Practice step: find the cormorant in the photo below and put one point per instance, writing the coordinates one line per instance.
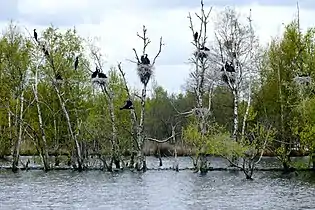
(76, 63)
(228, 67)
(95, 73)
(142, 59)
(58, 76)
(204, 48)
(102, 75)
(196, 36)
(146, 59)
(128, 105)
(35, 35)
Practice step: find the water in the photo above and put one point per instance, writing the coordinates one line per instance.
(156, 190)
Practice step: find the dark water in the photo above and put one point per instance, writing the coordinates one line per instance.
(156, 190)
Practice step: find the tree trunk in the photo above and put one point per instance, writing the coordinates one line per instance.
(313, 160)
(45, 156)
(16, 149)
(78, 149)
(141, 159)
(235, 115)
(247, 107)
(115, 144)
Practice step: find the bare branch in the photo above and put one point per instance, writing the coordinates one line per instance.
(159, 52)
(161, 141)
(137, 57)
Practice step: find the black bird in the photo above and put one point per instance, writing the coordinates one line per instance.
(146, 59)
(95, 73)
(128, 105)
(196, 36)
(35, 35)
(76, 63)
(102, 75)
(228, 67)
(204, 48)
(58, 76)
(45, 51)
(142, 59)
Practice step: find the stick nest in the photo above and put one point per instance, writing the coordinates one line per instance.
(202, 54)
(145, 72)
(99, 81)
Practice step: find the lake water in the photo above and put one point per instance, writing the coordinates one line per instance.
(154, 189)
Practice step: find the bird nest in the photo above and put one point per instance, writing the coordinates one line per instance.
(201, 54)
(145, 72)
(99, 81)
(201, 112)
(303, 80)
(58, 81)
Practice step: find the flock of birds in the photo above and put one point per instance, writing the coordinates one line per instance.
(202, 53)
(97, 76)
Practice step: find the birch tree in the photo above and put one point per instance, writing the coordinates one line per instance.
(59, 52)
(236, 52)
(16, 58)
(103, 83)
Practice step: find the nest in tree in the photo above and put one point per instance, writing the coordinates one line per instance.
(201, 54)
(58, 81)
(145, 72)
(228, 76)
(199, 112)
(99, 81)
(303, 80)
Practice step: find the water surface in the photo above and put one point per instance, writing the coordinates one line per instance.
(155, 190)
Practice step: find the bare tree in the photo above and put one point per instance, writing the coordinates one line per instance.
(199, 82)
(107, 90)
(145, 71)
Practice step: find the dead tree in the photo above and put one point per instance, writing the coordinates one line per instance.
(145, 71)
(199, 83)
(106, 89)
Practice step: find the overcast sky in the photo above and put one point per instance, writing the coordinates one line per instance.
(116, 23)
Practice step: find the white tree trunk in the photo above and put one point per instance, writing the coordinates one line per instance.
(78, 149)
(247, 106)
(115, 145)
(16, 149)
(235, 115)
(141, 161)
(44, 154)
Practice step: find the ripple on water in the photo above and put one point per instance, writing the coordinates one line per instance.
(155, 190)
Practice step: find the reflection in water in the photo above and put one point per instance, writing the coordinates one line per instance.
(155, 190)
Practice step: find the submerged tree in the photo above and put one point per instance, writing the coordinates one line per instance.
(145, 70)
(237, 56)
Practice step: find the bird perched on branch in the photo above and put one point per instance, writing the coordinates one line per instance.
(196, 36)
(228, 67)
(76, 63)
(35, 35)
(128, 105)
(58, 76)
(95, 73)
(146, 60)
